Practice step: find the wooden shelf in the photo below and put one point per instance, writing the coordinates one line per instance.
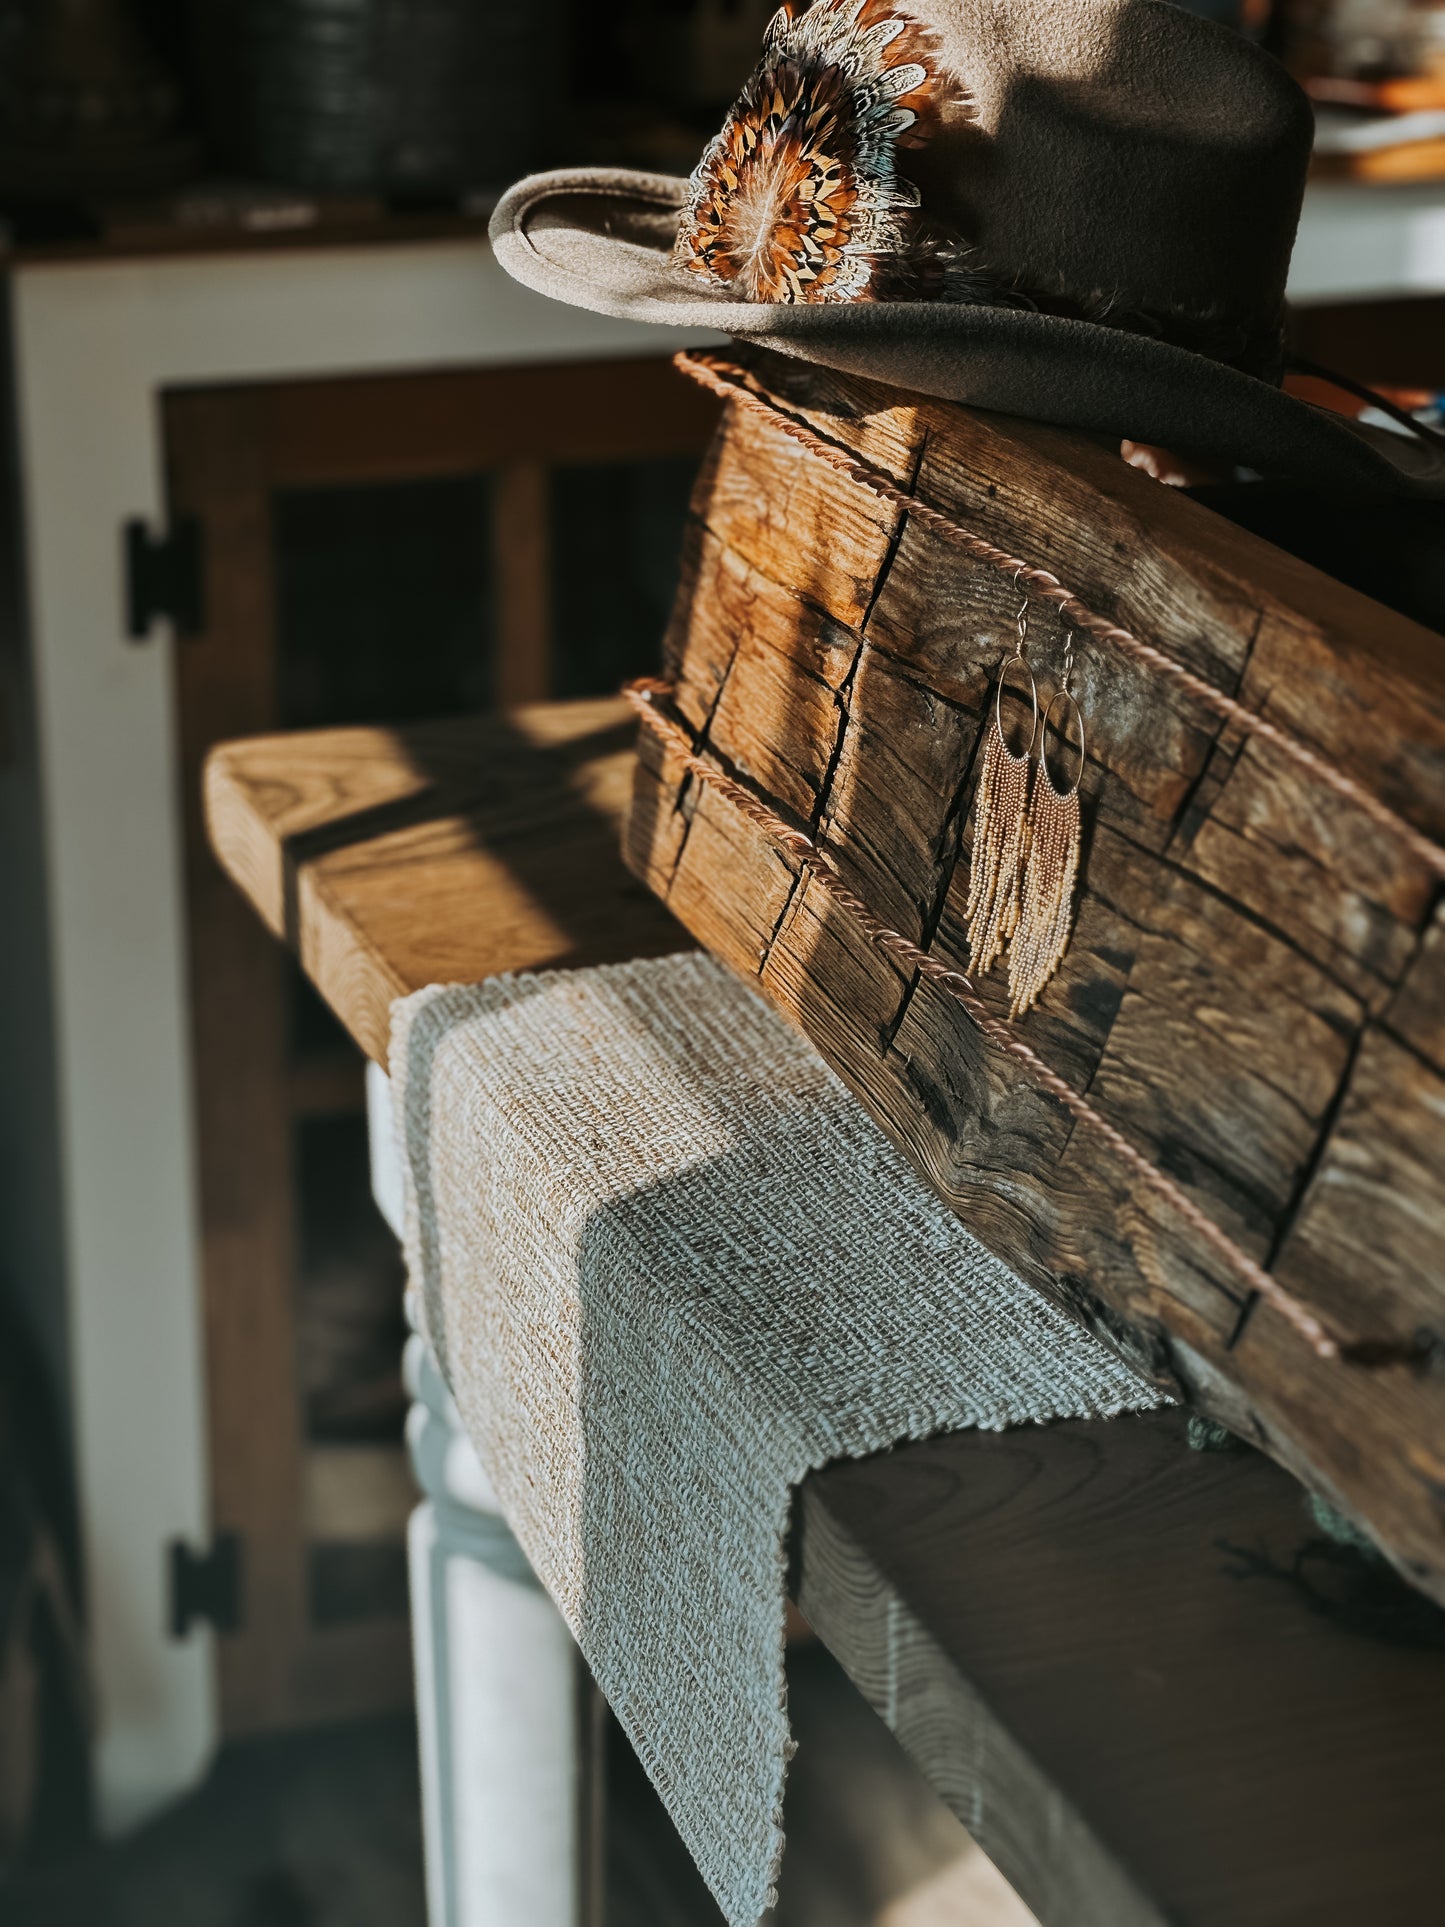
(439, 852)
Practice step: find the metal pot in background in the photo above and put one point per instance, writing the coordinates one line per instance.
(401, 97)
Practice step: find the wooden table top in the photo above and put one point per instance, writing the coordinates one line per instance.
(1142, 1676)
(390, 859)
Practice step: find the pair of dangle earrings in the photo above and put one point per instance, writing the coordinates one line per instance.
(1025, 839)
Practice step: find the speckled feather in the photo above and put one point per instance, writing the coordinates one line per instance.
(800, 196)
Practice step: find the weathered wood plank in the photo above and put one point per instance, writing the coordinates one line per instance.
(1144, 1681)
(798, 532)
(498, 836)
(1250, 995)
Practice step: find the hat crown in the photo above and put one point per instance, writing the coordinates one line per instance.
(1080, 162)
(1124, 155)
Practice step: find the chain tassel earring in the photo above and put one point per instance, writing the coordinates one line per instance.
(1001, 822)
(1046, 898)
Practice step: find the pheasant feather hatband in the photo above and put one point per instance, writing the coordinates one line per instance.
(799, 197)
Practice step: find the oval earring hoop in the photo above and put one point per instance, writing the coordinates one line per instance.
(1065, 696)
(1018, 656)
(1000, 828)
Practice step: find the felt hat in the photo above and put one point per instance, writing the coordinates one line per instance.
(1075, 210)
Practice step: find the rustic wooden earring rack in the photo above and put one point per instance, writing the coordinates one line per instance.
(1250, 1000)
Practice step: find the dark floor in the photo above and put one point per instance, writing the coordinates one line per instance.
(322, 1830)
(309, 1831)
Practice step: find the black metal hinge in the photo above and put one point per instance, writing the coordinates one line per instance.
(163, 577)
(206, 1585)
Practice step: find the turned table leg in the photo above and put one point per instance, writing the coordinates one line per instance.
(505, 1717)
(499, 1695)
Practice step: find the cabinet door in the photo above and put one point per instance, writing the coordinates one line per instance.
(371, 550)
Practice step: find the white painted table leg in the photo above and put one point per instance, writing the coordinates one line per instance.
(497, 1672)
(497, 1694)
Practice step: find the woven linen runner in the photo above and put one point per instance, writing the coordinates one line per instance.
(668, 1265)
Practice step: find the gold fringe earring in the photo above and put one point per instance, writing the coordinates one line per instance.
(1001, 824)
(1046, 900)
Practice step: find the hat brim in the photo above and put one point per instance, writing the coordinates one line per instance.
(601, 238)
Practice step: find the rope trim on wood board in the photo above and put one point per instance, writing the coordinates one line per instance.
(735, 383)
(647, 692)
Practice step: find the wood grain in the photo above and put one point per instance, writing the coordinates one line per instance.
(1141, 1677)
(1252, 990)
(391, 859)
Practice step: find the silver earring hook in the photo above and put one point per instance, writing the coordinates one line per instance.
(1068, 661)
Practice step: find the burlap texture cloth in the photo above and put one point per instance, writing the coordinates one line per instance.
(668, 1265)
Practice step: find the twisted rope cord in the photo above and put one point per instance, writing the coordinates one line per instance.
(645, 694)
(736, 383)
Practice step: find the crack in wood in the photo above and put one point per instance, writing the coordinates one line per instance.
(843, 696)
(784, 916)
(1247, 912)
(1289, 1216)
(1240, 1099)
(1216, 754)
